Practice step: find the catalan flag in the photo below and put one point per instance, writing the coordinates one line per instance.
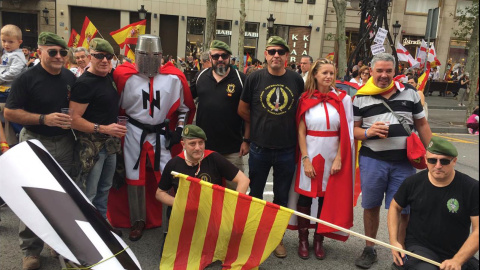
(422, 80)
(129, 33)
(237, 229)
(89, 31)
(74, 37)
(330, 56)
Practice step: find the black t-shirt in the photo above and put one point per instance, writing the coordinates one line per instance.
(213, 168)
(439, 216)
(37, 91)
(101, 95)
(273, 105)
(217, 110)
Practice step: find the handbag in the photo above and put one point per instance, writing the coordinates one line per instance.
(415, 149)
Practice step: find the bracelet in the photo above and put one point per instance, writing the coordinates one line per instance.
(366, 133)
(246, 140)
(304, 157)
(41, 119)
(4, 144)
(96, 128)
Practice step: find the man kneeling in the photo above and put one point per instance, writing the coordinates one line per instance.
(443, 205)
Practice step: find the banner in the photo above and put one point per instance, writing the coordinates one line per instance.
(89, 31)
(210, 223)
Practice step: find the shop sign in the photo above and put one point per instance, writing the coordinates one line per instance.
(299, 42)
(407, 42)
(229, 33)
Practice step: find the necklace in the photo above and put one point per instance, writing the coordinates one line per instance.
(193, 163)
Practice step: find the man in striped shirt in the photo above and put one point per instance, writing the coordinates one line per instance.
(383, 157)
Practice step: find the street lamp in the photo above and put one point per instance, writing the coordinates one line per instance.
(396, 29)
(45, 12)
(142, 13)
(271, 22)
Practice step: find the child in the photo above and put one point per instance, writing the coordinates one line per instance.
(13, 59)
(472, 122)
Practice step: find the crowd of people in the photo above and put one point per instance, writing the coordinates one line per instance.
(297, 124)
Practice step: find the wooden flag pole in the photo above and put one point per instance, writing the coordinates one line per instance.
(356, 234)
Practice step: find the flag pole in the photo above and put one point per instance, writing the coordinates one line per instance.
(174, 173)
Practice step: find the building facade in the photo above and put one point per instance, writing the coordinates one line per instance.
(307, 25)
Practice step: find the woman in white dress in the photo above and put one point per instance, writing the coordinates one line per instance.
(325, 171)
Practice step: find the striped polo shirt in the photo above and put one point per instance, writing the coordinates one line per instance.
(370, 109)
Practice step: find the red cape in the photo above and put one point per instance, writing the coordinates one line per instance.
(117, 209)
(338, 200)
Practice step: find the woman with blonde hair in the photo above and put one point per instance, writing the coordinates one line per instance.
(325, 166)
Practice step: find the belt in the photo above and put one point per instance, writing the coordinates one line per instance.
(315, 133)
(148, 129)
(44, 137)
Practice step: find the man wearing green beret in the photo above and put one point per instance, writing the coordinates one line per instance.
(35, 101)
(94, 108)
(443, 207)
(195, 161)
(218, 90)
(269, 104)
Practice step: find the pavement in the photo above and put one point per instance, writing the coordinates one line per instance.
(445, 116)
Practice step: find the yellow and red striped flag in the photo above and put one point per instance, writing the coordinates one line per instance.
(249, 58)
(237, 229)
(89, 31)
(74, 37)
(330, 56)
(129, 53)
(422, 80)
(129, 33)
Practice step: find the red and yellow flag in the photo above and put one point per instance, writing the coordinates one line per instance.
(249, 58)
(129, 33)
(330, 56)
(129, 53)
(89, 31)
(422, 80)
(74, 37)
(237, 229)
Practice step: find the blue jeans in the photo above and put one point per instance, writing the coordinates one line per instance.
(99, 181)
(283, 163)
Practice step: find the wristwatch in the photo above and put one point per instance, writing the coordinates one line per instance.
(246, 140)
(41, 119)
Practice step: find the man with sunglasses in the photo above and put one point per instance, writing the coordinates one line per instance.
(443, 206)
(35, 101)
(269, 104)
(94, 106)
(218, 90)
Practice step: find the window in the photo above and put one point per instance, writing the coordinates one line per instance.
(224, 31)
(461, 7)
(251, 39)
(279, 0)
(311, 2)
(298, 1)
(458, 51)
(420, 7)
(195, 29)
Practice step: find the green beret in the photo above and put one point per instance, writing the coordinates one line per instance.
(220, 45)
(277, 41)
(51, 39)
(193, 132)
(100, 45)
(441, 146)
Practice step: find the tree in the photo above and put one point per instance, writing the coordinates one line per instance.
(467, 20)
(241, 37)
(211, 23)
(340, 45)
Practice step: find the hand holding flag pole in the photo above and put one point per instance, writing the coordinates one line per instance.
(183, 177)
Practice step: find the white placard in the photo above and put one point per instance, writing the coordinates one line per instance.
(377, 48)
(381, 35)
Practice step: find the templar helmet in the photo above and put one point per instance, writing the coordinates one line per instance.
(148, 55)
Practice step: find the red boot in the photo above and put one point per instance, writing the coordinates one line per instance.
(303, 225)
(318, 246)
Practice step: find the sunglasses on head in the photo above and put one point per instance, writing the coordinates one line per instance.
(443, 161)
(53, 52)
(274, 51)
(217, 56)
(100, 56)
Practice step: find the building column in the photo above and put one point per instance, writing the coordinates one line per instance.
(124, 20)
(182, 37)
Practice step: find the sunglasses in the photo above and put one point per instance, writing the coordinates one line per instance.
(100, 56)
(443, 161)
(53, 52)
(217, 56)
(274, 51)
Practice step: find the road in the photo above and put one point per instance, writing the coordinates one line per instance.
(339, 255)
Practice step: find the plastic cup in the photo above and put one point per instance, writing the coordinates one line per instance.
(122, 120)
(68, 112)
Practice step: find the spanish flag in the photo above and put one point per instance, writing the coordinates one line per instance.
(249, 58)
(129, 33)
(422, 80)
(89, 31)
(213, 223)
(74, 37)
(129, 53)
(330, 56)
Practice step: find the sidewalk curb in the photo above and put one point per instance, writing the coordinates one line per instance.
(458, 130)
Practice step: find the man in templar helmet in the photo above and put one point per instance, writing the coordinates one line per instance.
(158, 103)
